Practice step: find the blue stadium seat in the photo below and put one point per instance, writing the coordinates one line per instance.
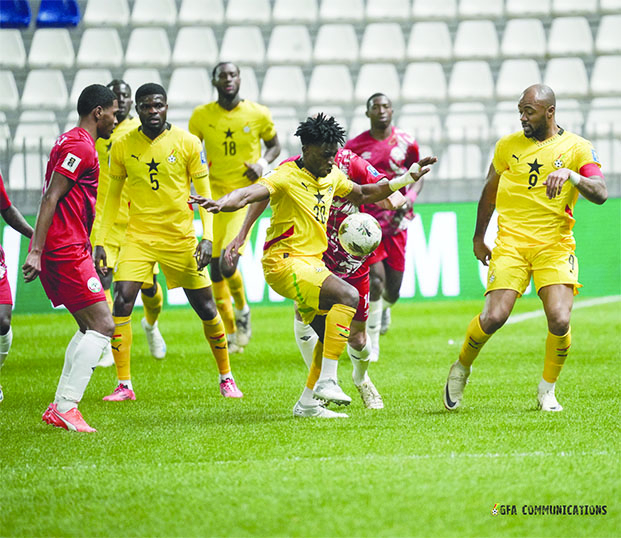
(14, 14)
(58, 14)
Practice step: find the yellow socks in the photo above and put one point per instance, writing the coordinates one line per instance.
(557, 349)
(153, 305)
(338, 321)
(122, 346)
(315, 367)
(236, 285)
(214, 332)
(109, 299)
(222, 296)
(475, 339)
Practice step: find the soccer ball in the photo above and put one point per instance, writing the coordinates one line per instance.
(360, 234)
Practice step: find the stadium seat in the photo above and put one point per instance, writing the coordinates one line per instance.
(137, 76)
(424, 81)
(609, 152)
(374, 78)
(108, 13)
(466, 122)
(330, 84)
(608, 40)
(58, 14)
(387, 10)
(569, 115)
(289, 44)
(336, 43)
(294, 11)
(572, 7)
(201, 12)
(476, 39)
(189, 87)
(248, 12)
(148, 47)
(286, 122)
(154, 13)
(514, 76)
(382, 42)
(5, 134)
(180, 117)
(422, 121)
(45, 88)
(86, 77)
(15, 14)
(471, 80)
(37, 129)
(432, 9)
(461, 161)
(604, 117)
(12, 47)
(341, 11)
(527, 8)
(359, 122)
(483, 9)
(249, 84)
(195, 45)
(284, 85)
(610, 6)
(51, 47)
(243, 44)
(567, 77)
(100, 47)
(514, 45)
(606, 76)
(570, 36)
(430, 41)
(9, 96)
(506, 119)
(27, 171)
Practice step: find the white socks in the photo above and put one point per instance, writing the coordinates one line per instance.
(544, 386)
(374, 324)
(69, 353)
(360, 361)
(222, 377)
(328, 369)
(84, 361)
(127, 383)
(5, 345)
(305, 338)
(307, 397)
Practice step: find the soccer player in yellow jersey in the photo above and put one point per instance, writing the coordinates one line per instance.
(157, 163)
(232, 129)
(301, 193)
(152, 297)
(533, 183)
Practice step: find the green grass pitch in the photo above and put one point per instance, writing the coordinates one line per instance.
(183, 461)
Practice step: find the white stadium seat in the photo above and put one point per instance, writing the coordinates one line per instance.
(570, 36)
(387, 10)
(471, 80)
(461, 161)
(430, 41)
(12, 47)
(515, 75)
(51, 47)
(294, 11)
(608, 40)
(86, 77)
(248, 12)
(506, 119)
(330, 84)
(569, 115)
(341, 11)
(382, 42)
(424, 81)
(572, 7)
(100, 47)
(27, 171)
(249, 86)
(137, 76)
(422, 121)
(207, 12)
(243, 44)
(432, 9)
(195, 45)
(481, 9)
(45, 88)
(604, 117)
(5, 134)
(284, 85)
(336, 43)
(286, 122)
(289, 44)
(179, 117)
(106, 13)
(154, 12)
(609, 153)
(476, 39)
(606, 76)
(567, 77)
(527, 8)
(36, 130)
(466, 122)
(148, 47)
(9, 96)
(610, 6)
(359, 122)
(374, 78)
(189, 86)
(515, 44)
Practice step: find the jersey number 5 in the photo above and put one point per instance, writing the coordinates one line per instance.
(155, 184)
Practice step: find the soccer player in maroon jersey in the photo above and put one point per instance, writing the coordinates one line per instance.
(60, 250)
(13, 218)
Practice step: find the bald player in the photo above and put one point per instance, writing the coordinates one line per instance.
(533, 183)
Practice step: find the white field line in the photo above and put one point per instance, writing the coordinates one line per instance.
(516, 318)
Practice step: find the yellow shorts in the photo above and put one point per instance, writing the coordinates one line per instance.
(112, 256)
(137, 262)
(299, 278)
(225, 227)
(511, 267)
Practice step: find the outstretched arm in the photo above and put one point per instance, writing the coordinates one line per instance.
(485, 210)
(234, 200)
(231, 252)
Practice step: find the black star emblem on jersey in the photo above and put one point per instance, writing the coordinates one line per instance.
(152, 165)
(228, 133)
(534, 167)
(319, 197)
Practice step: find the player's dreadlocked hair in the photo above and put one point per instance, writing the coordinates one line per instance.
(320, 129)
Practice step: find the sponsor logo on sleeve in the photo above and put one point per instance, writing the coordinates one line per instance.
(71, 162)
(203, 157)
(372, 171)
(595, 156)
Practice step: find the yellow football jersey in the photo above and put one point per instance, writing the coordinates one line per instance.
(117, 232)
(231, 137)
(525, 214)
(300, 208)
(158, 175)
